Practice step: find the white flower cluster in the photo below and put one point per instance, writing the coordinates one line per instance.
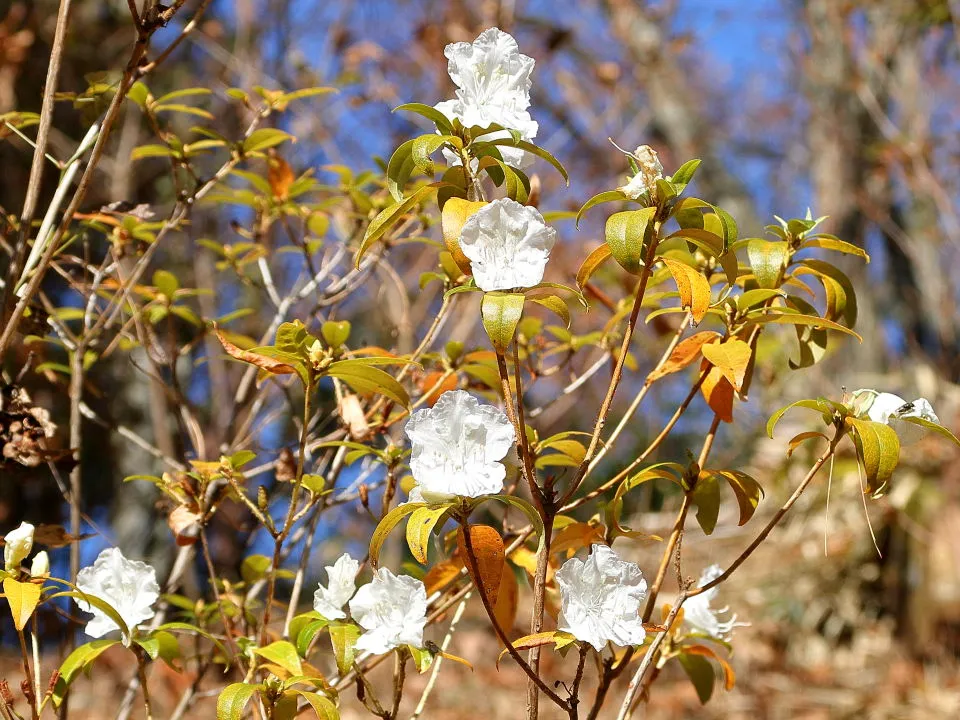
(892, 409)
(391, 609)
(457, 446)
(493, 87)
(700, 616)
(508, 245)
(600, 599)
(128, 586)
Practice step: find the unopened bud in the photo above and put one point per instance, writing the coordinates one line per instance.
(262, 497)
(40, 567)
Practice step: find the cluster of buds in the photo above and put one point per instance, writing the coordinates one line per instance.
(24, 428)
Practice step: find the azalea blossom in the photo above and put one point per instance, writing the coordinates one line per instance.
(508, 245)
(341, 584)
(650, 171)
(892, 409)
(18, 544)
(698, 614)
(392, 610)
(600, 599)
(128, 586)
(457, 446)
(493, 87)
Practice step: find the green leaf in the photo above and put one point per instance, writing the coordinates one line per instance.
(431, 113)
(233, 700)
(819, 405)
(768, 260)
(534, 150)
(185, 110)
(388, 216)
(98, 603)
(166, 282)
(366, 379)
(23, 598)
(284, 654)
(162, 644)
(254, 567)
(77, 661)
(322, 705)
(556, 305)
(701, 674)
(139, 93)
(748, 491)
(425, 145)
(335, 333)
(782, 316)
(706, 494)
(924, 423)
(193, 630)
(878, 449)
(523, 506)
(343, 640)
(264, 138)
(685, 172)
(185, 92)
(307, 634)
(598, 199)
(625, 235)
(501, 313)
(386, 525)
(422, 522)
(841, 297)
(149, 151)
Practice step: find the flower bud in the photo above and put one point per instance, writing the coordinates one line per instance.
(650, 170)
(18, 545)
(40, 567)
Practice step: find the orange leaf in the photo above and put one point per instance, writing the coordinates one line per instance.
(731, 357)
(440, 575)
(280, 177)
(454, 214)
(505, 609)
(488, 550)
(575, 536)
(693, 286)
(431, 379)
(683, 354)
(718, 393)
(271, 365)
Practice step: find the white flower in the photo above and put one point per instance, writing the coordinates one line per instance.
(493, 86)
(456, 448)
(890, 409)
(128, 586)
(508, 245)
(600, 599)
(650, 171)
(341, 584)
(698, 614)
(18, 544)
(392, 610)
(40, 567)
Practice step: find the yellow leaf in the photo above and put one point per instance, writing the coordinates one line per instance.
(731, 357)
(694, 288)
(23, 598)
(454, 215)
